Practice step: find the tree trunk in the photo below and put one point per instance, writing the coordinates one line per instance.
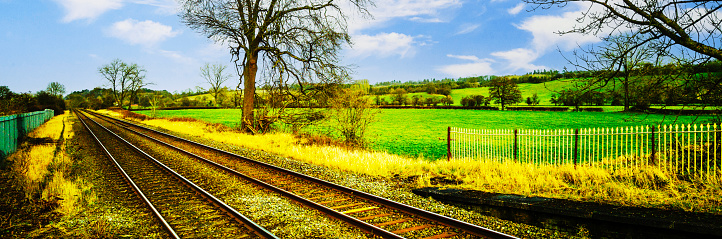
(626, 92)
(249, 90)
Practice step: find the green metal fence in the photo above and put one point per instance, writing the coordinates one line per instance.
(15, 126)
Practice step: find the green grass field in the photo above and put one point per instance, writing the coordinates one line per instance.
(422, 132)
(544, 91)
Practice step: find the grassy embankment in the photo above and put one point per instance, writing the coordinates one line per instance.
(41, 188)
(41, 167)
(643, 187)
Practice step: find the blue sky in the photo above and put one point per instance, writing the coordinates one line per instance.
(42, 41)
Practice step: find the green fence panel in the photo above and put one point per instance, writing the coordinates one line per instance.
(15, 126)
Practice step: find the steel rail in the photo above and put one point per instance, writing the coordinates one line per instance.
(251, 225)
(127, 178)
(369, 228)
(444, 220)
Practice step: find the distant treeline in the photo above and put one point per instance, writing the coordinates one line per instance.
(15, 103)
(538, 76)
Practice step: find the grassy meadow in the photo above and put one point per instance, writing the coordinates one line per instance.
(421, 133)
(641, 187)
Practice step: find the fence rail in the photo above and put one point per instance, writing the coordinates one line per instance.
(14, 127)
(685, 150)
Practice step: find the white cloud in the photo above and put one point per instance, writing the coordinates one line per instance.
(426, 20)
(91, 9)
(147, 33)
(177, 56)
(516, 9)
(165, 7)
(467, 28)
(87, 9)
(545, 30)
(478, 67)
(469, 69)
(412, 10)
(519, 59)
(464, 57)
(383, 45)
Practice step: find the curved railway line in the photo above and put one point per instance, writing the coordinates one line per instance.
(375, 215)
(181, 207)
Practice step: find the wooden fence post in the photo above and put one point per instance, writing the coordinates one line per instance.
(448, 144)
(576, 147)
(653, 156)
(516, 146)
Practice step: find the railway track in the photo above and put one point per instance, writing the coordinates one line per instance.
(372, 214)
(184, 209)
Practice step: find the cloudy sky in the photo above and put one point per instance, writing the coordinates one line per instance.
(42, 41)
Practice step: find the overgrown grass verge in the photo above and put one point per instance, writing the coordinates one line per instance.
(42, 167)
(39, 179)
(642, 187)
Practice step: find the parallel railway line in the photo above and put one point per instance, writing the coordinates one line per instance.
(375, 215)
(184, 209)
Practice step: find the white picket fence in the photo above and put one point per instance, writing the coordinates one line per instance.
(685, 150)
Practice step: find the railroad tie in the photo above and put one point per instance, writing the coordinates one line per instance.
(333, 201)
(308, 193)
(375, 216)
(392, 222)
(322, 196)
(359, 210)
(348, 205)
(444, 235)
(416, 228)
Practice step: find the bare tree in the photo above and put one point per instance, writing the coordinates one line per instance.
(351, 114)
(155, 100)
(214, 75)
(123, 78)
(678, 35)
(290, 40)
(619, 60)
(136, 85)
(692, 24)
(56, 89)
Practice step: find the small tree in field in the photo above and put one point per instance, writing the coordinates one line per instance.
(215, 76)
(447, 101)
(416, 100)
(532, 101)
(399, 97)
(351, 115)
(504, 91)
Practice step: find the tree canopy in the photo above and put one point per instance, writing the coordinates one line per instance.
(292, 42)
(504, 91)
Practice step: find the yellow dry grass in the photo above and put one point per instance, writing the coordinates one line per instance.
(31, 165)
(42, 169)
(645, 186)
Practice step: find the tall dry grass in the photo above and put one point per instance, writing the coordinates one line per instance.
(43, 169)
(645, 186)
